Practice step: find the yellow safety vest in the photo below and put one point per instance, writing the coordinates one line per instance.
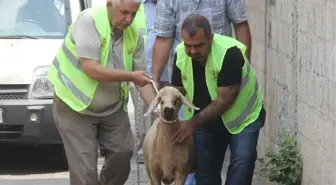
(71, 84)
(245, 110)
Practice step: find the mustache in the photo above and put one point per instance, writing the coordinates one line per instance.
(125, 23)
(197, 55)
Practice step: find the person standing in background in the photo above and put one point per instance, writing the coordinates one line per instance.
(171, 13)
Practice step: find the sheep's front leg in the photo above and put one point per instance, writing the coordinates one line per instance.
(180, 178)
(154, 178)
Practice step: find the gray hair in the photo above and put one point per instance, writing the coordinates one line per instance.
(117, 2)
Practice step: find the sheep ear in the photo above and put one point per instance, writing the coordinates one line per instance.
(154, 103)
(186, 102)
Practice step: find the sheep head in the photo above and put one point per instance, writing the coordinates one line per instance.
(170, 100)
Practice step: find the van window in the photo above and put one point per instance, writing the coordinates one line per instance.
(34, 18)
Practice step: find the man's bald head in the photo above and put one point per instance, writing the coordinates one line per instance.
(194, 23)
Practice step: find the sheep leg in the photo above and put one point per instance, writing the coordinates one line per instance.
(148, 171)
(154, 178)
(180, 178)
(150, 176)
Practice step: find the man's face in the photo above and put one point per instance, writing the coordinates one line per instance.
(123, 14)
(198, 46)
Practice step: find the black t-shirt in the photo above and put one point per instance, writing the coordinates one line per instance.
(230, 74)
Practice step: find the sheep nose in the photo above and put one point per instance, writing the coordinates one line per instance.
(168, 113)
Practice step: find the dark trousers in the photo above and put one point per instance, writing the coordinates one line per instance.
(211, 143)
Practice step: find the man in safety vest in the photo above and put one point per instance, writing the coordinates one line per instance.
(100, 55)
(214, 73)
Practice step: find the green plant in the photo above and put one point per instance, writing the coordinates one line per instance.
(283, 167)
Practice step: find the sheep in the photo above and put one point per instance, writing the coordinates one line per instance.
(164, 160)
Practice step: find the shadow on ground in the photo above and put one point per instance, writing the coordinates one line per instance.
(27, 160)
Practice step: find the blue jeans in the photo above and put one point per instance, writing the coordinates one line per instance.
(211, 143)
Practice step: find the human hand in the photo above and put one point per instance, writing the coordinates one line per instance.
(187, 128)
(140, 78)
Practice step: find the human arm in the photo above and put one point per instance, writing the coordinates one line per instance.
(176, 80)
(147, 92)
(243, 34)
(164, 27)
(87, 41)
(237, 15)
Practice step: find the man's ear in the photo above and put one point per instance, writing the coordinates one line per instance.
(109, 3)
(211, 37)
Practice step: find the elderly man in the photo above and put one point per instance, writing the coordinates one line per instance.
(230, 101)
(101, 54)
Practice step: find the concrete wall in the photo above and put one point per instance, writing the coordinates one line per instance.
(294, 54)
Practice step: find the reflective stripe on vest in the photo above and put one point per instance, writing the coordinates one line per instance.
(66, 81)
(71, 84)
(248, 103)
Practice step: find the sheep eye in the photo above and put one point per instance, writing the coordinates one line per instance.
(177, 100)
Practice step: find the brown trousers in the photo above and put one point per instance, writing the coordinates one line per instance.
(81, 135)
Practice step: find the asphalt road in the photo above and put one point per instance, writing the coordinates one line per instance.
(28, 166)
(22, 165)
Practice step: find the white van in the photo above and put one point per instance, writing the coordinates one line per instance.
(31, 31)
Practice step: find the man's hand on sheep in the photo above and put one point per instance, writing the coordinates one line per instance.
(187, 128)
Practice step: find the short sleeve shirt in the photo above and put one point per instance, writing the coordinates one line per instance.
(86, 38)
(170, 15)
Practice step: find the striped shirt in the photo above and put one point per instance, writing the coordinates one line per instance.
(170, 15)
